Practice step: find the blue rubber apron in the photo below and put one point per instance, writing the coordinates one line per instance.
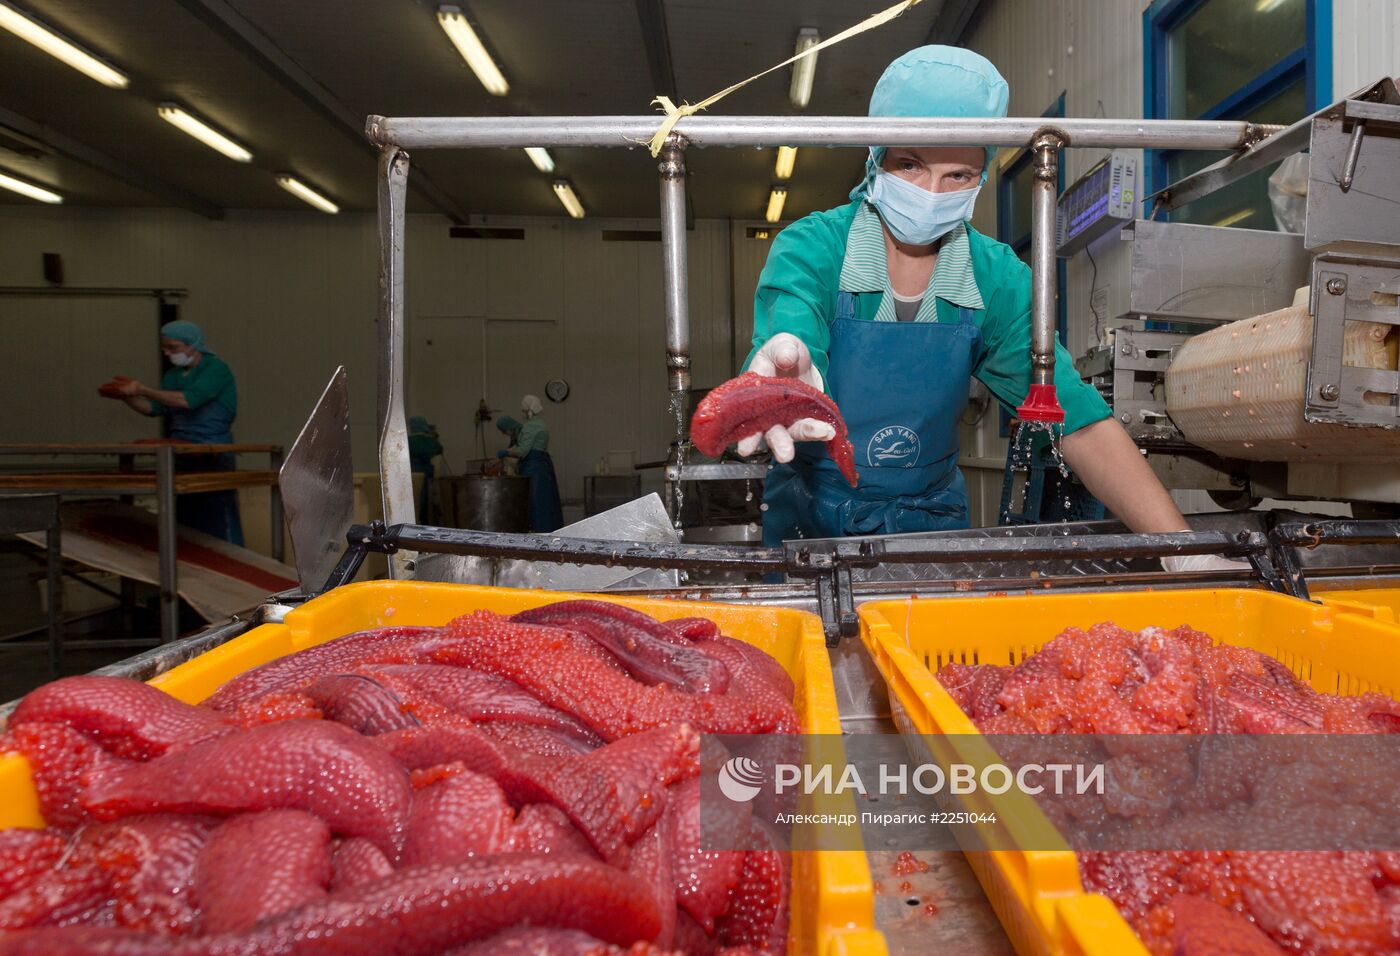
(546, 514)
(902, 388)
(213, 512)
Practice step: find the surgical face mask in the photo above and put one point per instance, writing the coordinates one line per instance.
(915, 215)
(181, 359)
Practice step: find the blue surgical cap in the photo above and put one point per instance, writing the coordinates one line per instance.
(187, 332)
(942, 81)
(507, 424)
(418, 425)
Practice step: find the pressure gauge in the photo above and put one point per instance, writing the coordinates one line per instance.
(557, 390)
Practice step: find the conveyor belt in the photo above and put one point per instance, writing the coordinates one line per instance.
(216, 578)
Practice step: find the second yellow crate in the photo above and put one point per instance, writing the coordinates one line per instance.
(1383, 604)
(1038, 895)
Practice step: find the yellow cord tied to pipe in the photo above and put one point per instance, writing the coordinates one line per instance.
(675, 113)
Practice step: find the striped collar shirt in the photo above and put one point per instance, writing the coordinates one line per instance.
(864, 269)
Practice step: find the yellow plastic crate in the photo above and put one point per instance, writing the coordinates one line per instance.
(832, 907)
(1382, 604)
(1037, 894)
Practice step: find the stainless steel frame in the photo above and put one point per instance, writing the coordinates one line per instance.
(1129, 373)
(394, 135)
(1365, 104)
(395, 474)
(167, 536)
(1348, 291)
(1207, 275)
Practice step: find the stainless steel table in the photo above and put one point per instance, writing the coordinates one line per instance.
(162, 481)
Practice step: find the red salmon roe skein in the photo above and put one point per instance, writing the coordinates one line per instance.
(650, 651)
(754, 403)
(125, 717)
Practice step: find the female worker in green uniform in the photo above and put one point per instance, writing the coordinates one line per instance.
(423, 447)
(892, 303)
(198, 396)
(530, 443)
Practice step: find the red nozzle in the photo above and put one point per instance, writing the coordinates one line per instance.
(1041, 405)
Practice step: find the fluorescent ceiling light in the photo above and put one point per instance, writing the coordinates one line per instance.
(787, 157)
(1264, 6)
(804, 71)
(306, 194)
(565, 191)
(459, 31)
(28, 189)
(60, 47)
(775, 203)
(202, 131)
(541, 158)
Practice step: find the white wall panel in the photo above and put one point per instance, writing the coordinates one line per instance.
(284, 298)
(1365, 43)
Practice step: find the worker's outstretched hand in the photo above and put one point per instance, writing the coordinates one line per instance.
(786, 356)
(119, 387)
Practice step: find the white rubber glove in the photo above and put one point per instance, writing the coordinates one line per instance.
(786, 356)
(1178, 564)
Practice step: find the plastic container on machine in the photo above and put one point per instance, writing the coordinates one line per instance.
(832, 896)
(1038, 895)
(1238, 390)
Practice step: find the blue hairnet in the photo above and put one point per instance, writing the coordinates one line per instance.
(936, 81)
(187, 332)
(507, 424)
(418, 425)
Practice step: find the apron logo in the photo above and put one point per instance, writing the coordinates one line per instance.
(893, 446)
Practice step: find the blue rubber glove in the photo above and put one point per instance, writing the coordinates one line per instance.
(503, 453)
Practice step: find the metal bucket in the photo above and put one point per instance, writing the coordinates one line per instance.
(479, 503)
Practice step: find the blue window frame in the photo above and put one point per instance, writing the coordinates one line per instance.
(1013, 225)
(1275, 70)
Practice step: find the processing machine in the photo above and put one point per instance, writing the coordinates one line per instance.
(1255, 364)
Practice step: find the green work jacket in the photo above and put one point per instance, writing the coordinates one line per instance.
(798, 287)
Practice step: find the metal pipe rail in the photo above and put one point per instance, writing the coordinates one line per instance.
(478, 132)
(1286, 539)
(673, 266)
(799, 558)
(1046, 160)
(828, 564)
(394, 135)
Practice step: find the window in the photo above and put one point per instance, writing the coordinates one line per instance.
(1268, 61)
(1014, 225)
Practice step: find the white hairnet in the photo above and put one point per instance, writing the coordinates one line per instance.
(531, 406)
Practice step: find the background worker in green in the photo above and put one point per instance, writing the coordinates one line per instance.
(530, 443)
(199, 398)
(891, 304)
(423, 446)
